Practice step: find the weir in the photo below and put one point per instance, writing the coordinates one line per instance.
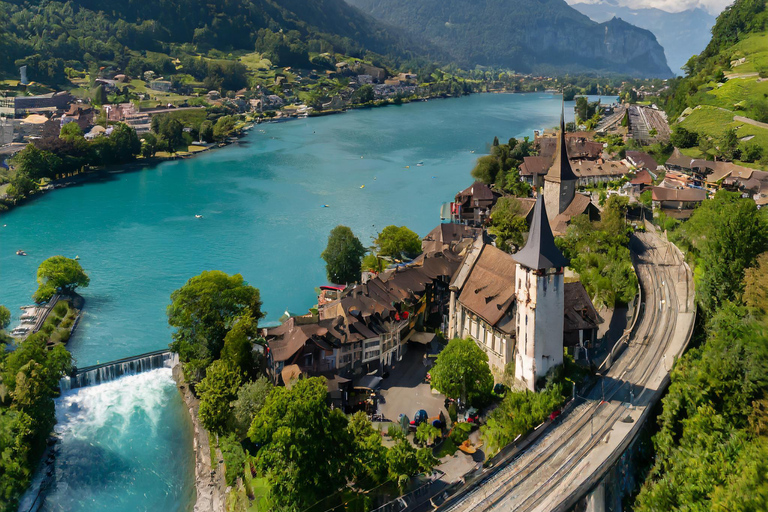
(105, 372)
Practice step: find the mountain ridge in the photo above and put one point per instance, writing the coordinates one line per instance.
(682, 34)
(541, 36)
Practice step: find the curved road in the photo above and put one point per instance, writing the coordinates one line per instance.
(562, 466)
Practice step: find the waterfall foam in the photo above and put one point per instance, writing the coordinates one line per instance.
(107, 372)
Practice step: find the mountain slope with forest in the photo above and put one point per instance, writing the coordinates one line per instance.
(50, 35)
(724, 97)
(682, 34)
(543, 36)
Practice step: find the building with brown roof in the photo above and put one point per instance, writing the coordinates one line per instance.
(641, 160)
(594, 172)
(581, 205)
(678, 161)
(533, 169)
(684, 200)
(473, 205)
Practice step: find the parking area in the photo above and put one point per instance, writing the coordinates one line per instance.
(405, 392)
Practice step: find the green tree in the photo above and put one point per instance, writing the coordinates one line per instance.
(398, 243)
(223, 127)
(125, 143)
(755, 285)
(148, 145)
(217, 391)
(239, 343)
(59, 273)
(36, 163)
(726, 234)
(251, 397)
(203, 311)
(206, 131)
(170, 130)
(343, 256)
(508, 224)
(305, 446)
(462, 371)
(5, 317)
(71, 131)
(426, 433)
(369, 455)
(402, 462)
(683, 138)
(363, 95)
(486, 169)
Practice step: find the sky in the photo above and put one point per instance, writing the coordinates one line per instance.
(713, 6)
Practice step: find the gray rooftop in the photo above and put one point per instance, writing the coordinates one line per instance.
(540, 251)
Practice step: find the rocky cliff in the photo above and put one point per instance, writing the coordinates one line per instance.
(539, 36)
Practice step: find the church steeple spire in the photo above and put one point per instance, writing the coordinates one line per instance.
(561, 170)
(560, 182)
(540, 251)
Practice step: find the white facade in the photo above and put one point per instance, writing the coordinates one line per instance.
(540, 309)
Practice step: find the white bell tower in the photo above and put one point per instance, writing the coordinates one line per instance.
(539, 294)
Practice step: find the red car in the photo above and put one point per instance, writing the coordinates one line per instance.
(554, 414)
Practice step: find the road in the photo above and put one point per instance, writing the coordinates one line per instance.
(562, 466)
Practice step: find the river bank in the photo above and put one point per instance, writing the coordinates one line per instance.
(210, 486)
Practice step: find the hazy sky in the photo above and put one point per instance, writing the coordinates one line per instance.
(713, 6)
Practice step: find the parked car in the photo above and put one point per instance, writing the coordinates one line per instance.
(554, 414)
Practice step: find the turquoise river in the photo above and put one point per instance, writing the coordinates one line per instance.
(126, 445)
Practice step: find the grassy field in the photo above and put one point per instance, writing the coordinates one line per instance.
(755, 49)
(255, 62)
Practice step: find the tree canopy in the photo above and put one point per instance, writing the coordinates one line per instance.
(217, 391)
(507, 223)
(725, 236)
(203, 311)
(599, 252)
(398, 243)
(462, 371)
(59, 273)
(343, 256)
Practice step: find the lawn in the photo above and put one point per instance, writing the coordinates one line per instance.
(255, 62)
(755, 49)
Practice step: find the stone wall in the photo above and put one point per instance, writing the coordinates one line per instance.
(209, 475)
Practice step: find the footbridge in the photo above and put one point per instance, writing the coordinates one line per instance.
(569, 460)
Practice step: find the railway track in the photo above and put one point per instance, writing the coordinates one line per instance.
(553, 470)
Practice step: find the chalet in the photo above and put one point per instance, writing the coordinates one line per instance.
(594, 172)
(473, 205)
(533, 169)
(579, 146)
(641, 160)
(682, 199)
(641, 181)
(450, 236)
(678, 161)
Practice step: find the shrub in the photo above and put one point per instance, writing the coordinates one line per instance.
(453, 412)
(234, 457)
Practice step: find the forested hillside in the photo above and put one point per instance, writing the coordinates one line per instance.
(526, 35)
(49, 36)
(711, 451)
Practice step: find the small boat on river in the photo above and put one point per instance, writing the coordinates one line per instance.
(198, 216)
(20, 253)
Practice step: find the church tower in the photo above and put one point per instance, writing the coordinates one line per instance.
(539, 293)
(560, 181)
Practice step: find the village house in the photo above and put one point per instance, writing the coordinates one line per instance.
(678, 161)
(579, 145)
(472, 206)
(641, 160)
(679, 202)
(593, 172)
(533, 169)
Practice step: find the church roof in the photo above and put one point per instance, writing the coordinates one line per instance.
(561, 169)
(540, 250)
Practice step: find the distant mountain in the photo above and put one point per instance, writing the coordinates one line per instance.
(542, 36)
(98, 32)
(682, 34)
